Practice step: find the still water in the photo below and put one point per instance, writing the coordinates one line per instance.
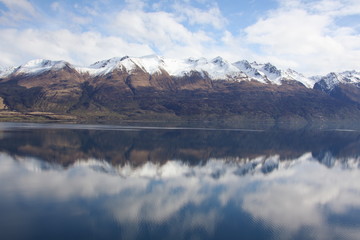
(111, 182)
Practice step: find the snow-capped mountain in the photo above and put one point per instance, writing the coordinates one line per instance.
(149, 64)
(268, 73)
(157, 87)
(215, 69)
(330, 81)
(39, 66)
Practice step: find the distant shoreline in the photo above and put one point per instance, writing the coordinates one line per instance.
(219, 123)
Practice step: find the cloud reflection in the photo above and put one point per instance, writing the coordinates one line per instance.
(289, 196)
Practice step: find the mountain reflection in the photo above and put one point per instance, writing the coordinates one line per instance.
(137, 147)
(182, 184)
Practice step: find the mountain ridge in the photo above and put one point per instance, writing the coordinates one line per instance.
(154, 87)
(216, 68)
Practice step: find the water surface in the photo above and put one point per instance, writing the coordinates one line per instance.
(125, 182)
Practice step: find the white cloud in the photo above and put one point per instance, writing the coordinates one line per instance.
(299, 194)
(193, 15)
(280, 33)
(22, 5)
(298, 33)
(335, 7)
(304, 35)
(130, 31)
(298, 200)
(161, 30)
(78, 48)
(17, 10)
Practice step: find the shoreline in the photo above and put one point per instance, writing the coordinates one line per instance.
(233, 122)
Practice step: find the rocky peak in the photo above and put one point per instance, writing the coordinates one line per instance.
(244, 63)
(219, 61)
(329, 82)
(271, 69)
(197, 61)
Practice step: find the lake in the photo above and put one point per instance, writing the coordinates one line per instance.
(64, 181)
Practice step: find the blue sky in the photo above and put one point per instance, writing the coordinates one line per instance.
(310, 36)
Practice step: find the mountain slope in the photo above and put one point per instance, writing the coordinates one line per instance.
(345, 85)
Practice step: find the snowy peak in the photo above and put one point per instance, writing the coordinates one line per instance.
(39, 66)
(292, 74)
(107, 63)
(251, 70)
(42, 63)
(244, 64)
(219, 61)
(268, 69)
(268, 73)
(216, 69)
(349, 77)
(271, 69)
(151, 64)
(330, 81)
(327, 82)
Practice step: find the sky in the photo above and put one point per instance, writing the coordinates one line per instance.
(314, 37)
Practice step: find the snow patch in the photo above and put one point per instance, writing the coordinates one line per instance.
(6, 71)
(39, 66)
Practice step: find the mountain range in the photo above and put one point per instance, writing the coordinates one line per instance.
(158, 88)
